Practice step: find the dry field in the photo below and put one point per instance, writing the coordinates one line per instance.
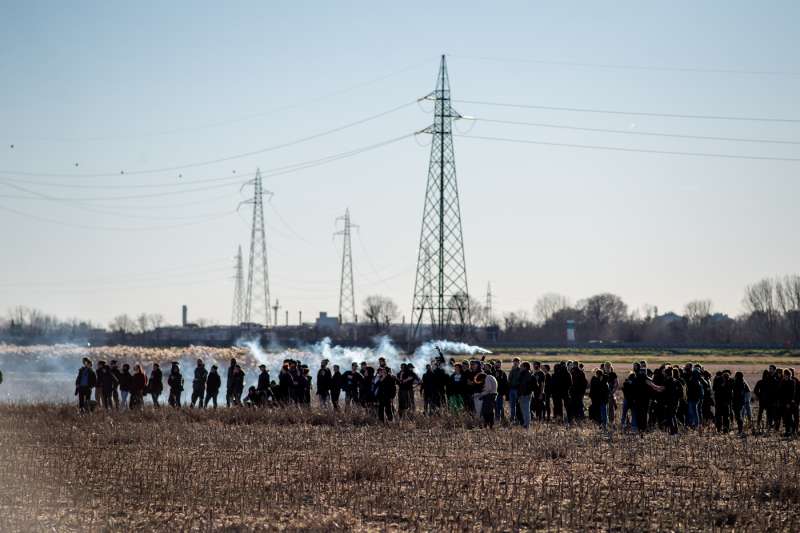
(245, 470)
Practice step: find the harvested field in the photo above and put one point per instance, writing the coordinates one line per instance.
(243, 470)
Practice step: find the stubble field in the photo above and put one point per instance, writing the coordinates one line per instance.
(247, 470)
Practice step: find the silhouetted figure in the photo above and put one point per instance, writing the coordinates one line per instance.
(155, 385)
(337, 383)
(213, 383)
(84, 383)
(125, 384)
(138, 385)
(175, 384)
(386, 391)
(324, 382)
(199, 383)
(263, 387)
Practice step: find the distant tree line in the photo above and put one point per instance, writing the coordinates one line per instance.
(772, 316)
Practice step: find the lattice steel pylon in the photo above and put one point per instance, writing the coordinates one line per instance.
(347, 296)
(257, 298)
(237, 317)
(441, 243)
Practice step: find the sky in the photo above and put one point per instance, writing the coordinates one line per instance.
(123, 89)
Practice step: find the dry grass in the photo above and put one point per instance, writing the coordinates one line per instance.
(242, 470)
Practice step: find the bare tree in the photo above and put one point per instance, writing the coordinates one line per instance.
(787, 291)
(759, 301)
(548, 305)
(380, 311)
(516, 320)
(142, 322)
(123, 323)
(155, 320)
(603, 310)
(697, 311)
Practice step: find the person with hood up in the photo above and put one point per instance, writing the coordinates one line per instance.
(175, 384)
(155, 385)
(213, 383)
(199, 383)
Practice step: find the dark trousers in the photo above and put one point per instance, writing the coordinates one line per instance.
(487, 409)
(385, 410)
(558, 407)
(174, 398)
(154, 396)
(211, 397)
(84, 397)
(197, 396)
(335, 398)
(722, 418)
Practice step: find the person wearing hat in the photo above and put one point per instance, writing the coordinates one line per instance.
(263, 388)
(213, 383)
(175, 384)
(199, 383)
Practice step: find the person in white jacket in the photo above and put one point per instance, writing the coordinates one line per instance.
(486, 398)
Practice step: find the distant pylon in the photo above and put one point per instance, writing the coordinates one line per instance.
(347, 296)
(238, 290)
(441, 243)
(257, 299)
(489, 312)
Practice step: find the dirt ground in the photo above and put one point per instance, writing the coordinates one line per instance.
(292, 469)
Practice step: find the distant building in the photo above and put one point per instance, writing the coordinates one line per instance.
(327, 323)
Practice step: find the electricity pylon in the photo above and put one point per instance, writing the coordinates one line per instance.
(238, 291)
(347, 296)
(441, 242)
(257, 299)
(489, 311)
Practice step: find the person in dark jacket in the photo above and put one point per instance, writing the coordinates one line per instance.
(352, 385)
(455, 389)
(761, 392)
(537, 397)
(598, 395)
(386, 391)
(125, 384)
(155, 385)
(138, 386)
(199, 383)
(723, 397)
(741, 399)
(562, 383)
(115, 373)
(430, 391)
(324, 379)
(229, 384)
(104, 386)
(236, 384)
(576, 393)
(525, 387)
(502, 391)
(514, 415)
(337, 383)
(213, 383)
(674, 394)
(787, 392)
(694, 399)
(253, 398)
(263, 387)
(365, 394)
(407, 379)
(84, 383)
(548, 392)
(175, 384)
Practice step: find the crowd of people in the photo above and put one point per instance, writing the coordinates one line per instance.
(668, 397)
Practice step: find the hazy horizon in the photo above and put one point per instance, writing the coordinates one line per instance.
(123, 89)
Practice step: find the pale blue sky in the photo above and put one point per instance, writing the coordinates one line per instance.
(141, 85)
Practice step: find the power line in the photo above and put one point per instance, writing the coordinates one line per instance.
(64, 223)
(276, 171)
(630, 113)
(634, 132)
(300, 103)
(219, 159)
(623, 149)
(582, 64)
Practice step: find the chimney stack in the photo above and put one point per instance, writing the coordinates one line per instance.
(184, 315)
